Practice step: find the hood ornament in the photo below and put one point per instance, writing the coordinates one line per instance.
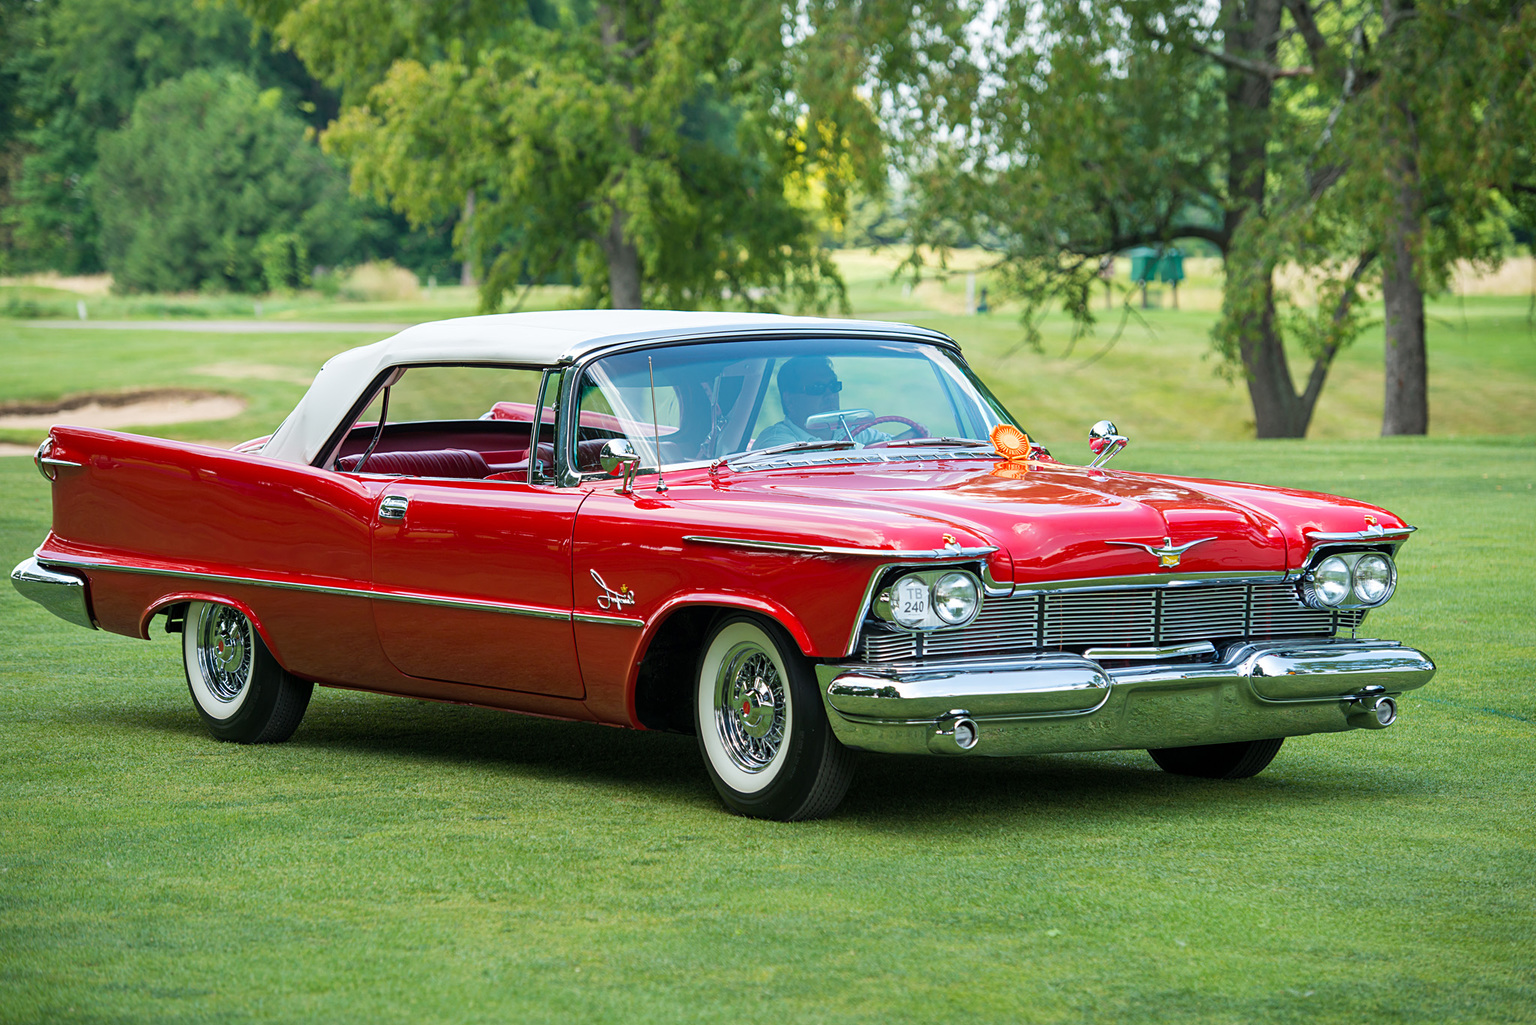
(1017, 450)
(1168, 555)
(1105, 441)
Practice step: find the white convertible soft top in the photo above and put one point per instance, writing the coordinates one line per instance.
(532, 339)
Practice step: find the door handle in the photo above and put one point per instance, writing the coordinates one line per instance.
(393, 507)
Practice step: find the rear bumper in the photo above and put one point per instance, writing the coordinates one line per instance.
(62, 592)
(1066, 702)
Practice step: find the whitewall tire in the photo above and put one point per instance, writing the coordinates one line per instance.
(761, 726)
(237, 687)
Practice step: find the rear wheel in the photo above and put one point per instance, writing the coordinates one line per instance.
(761, 726)
(1219, 761)
(238, 688)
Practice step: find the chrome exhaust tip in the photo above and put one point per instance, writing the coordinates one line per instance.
(1372, 711)
(954, 733)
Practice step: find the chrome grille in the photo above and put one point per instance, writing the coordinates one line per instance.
(1135, 616)
(1103, 617)
(889, 647)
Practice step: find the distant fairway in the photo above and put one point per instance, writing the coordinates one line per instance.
(401, 861)
(1151, 372)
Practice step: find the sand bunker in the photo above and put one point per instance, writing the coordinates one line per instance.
(144, 408)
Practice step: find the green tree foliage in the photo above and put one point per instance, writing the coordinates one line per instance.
(213, 185)
(1430, 107)
(75, 69)
(1264, 127)
(654, 147)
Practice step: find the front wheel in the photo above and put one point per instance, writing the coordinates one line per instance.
(762, 729)
(1218, 761)
(240, 691)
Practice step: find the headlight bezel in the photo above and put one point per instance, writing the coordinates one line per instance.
(1354, 597)
(895, 608)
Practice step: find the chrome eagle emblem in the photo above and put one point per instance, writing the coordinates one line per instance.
(1167, 555)
(611, 599)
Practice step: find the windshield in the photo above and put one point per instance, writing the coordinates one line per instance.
(722, 399)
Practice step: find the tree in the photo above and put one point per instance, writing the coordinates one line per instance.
(1254, 125)
(652, 147)
(1436, 98)
(74, 68)
(213, 185)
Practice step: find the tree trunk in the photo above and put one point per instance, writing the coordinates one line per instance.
(623, 265)
(1278, 412)
(1251, 30)
(467, 272)
(1407, 371)
(622, 255)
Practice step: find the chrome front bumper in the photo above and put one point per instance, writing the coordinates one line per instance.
(61, 592)
(1064, 702)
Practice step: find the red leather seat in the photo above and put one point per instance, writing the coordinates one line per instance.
(588, 459)
(442, 462)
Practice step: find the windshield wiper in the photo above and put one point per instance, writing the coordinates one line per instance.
(954, 442)
(792, 446)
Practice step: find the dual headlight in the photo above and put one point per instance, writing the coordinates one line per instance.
(1352, 580)
(930, 599)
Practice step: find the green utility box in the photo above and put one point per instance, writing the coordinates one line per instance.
(1170, 269)
(1148, 265)
(1143, 264)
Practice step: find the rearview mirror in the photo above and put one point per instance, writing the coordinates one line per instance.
(618, 456)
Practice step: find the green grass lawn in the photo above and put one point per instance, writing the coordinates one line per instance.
(414, 862)
(405, 861)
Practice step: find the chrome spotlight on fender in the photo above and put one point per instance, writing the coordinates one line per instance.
(1105, 441)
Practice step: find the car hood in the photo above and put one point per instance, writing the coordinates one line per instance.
(1056, 522)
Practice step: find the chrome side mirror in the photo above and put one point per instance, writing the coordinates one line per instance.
(1105, 441)
(837, 418)
(618, 456)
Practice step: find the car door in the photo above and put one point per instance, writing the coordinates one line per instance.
(474, 583)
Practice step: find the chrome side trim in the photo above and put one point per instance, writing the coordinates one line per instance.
(956, 553)
(1135, 654)
(408, 597)
(61, 593)
(593, 617)
(1371, 533)
(443, 601)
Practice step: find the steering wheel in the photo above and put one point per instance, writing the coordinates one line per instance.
(917, 430)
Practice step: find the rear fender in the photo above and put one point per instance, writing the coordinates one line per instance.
(167, 602)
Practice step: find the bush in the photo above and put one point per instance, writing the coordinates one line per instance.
(212, 186)
(380, 281)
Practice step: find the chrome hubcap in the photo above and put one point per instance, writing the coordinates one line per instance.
(749, 707)
(224, 651)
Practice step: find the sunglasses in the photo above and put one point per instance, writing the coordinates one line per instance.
(820, 388)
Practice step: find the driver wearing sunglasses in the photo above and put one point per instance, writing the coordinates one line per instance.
(808, 385)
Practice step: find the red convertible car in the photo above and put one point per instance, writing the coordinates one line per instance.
(794, 538)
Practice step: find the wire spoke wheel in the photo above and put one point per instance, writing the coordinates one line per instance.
(238, 688)
(762, 729)
(224, 651)
(750, 706)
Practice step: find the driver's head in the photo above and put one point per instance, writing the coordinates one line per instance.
(807, 386)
